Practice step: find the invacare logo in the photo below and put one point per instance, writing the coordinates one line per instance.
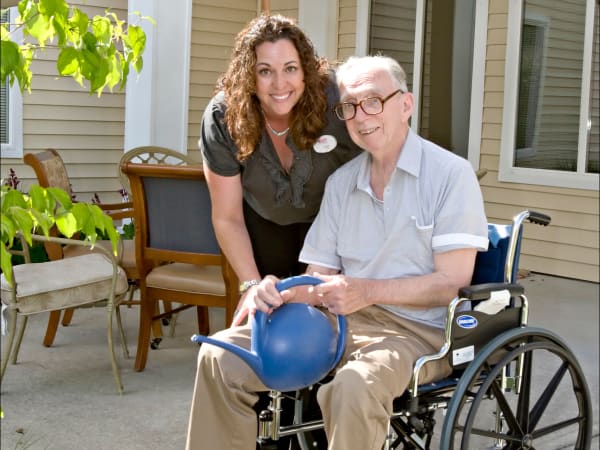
(466, 322)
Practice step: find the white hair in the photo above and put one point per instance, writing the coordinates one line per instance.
(374, 61)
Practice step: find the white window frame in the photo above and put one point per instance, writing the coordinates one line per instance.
(14, 147)
(556, 178)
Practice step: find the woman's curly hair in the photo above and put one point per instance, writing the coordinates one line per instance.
(243, 117)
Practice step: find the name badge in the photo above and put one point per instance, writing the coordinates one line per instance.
(325, 144)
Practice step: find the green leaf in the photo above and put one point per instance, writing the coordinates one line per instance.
(40, 28)
(139, 64)
(54, 7)
(10, 58)
(136, 38)
(61, 197)
(6, 265)
(11, 198)
(79, 23)
(67, 224)
(39, 199)
(84, 218)
(42, 220)
(68, 61)
(8, 229)
(89, 41)
(97, 215)
(102, 29)
(23, 221)
(60, 29)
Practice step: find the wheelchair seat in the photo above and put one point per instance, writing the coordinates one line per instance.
(506, 374)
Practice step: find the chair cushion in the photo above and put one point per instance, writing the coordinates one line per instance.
(187, 278)
(62, 283)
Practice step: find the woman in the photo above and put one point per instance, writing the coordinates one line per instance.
(269, 141)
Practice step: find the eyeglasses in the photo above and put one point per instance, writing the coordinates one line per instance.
(370, 106)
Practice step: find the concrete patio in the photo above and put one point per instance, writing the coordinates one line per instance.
(64, 397)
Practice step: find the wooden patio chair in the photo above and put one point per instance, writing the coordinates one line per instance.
(177, 253)
(149, 154)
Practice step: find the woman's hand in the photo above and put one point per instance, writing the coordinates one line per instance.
(264, 297)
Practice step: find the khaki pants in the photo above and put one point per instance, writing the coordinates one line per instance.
(377, 366)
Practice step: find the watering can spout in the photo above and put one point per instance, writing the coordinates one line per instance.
(248, 357)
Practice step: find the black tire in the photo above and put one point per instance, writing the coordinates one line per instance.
(552, 380)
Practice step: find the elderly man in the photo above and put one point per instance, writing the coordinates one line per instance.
(395, 238)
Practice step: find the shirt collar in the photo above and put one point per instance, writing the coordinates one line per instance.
(410, 156)
(409, 161)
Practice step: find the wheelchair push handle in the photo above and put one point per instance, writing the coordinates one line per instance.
(539, 218)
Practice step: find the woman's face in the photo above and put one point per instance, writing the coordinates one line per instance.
(279, 77)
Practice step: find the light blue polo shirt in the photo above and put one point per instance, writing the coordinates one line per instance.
(432, 203)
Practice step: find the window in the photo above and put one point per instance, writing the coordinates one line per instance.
(550, 126)
(441, 46)
(11, 108)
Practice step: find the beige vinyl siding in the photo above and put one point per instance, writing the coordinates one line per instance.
(392, 31)
(215, 24)
(346, 29)
(87, 131)
(569, 246)
(287, 8)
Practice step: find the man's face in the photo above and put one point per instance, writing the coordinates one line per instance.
(376, 133)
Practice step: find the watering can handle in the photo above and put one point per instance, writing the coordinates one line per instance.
(299, 280)
(302, 280)
(260, 318)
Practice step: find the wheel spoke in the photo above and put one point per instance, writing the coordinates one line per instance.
(544, 400)
(508, 415)
(525, 391)
(555, 427)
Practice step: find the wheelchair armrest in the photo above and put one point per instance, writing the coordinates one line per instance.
(483, 291)
(478, 292)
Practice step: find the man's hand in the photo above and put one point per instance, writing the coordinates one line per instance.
(340, 294)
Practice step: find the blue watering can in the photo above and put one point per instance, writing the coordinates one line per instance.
(294, 346)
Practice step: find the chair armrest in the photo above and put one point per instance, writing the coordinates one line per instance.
(117, 211)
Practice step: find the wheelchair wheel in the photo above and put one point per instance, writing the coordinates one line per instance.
(547, 407)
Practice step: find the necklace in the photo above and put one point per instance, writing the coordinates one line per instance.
(275, 132)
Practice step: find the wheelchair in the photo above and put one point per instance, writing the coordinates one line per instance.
(506, 375)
